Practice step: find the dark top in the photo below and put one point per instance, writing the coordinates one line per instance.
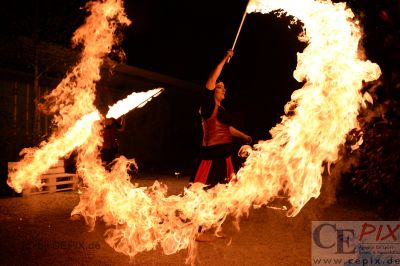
(208, 105)
(110, 134)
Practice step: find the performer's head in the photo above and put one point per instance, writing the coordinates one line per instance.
(109, 121)
(220, 90)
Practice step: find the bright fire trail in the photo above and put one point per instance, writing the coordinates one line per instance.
(323, 111)
(135, 100)
(38, 161)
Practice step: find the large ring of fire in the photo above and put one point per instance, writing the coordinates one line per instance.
(323, 111)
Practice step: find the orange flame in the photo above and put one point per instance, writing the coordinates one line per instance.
(134, 100)
(38, 160)
(73, 98)
(325, 110)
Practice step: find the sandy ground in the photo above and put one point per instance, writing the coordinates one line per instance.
(37, 230)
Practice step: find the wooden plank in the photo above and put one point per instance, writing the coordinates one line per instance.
(54, 180)
(62, 186)
(55, 170)
(54, 183)
(57, 175)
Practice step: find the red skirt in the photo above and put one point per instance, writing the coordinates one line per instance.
(214, 166)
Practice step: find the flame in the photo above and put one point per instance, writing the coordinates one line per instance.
(324, 110)
(134, 100)
(38, 161)
(72, 101)
(333, 67)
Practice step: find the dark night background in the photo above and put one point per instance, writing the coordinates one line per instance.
(185, 40)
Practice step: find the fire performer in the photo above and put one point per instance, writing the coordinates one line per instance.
(215, 163)
(110, 147)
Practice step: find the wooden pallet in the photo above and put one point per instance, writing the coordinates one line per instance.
(54, 180)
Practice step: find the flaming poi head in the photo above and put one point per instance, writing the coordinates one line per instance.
(324, 110)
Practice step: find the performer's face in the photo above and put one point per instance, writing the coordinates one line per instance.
(219, 92)
(108, 121)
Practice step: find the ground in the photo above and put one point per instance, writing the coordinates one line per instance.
(37, 230)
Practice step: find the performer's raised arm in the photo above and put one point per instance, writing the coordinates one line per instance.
(212, 79)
